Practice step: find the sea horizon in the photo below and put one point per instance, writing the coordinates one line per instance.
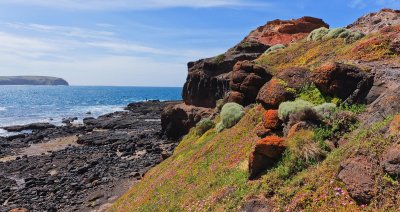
(52, 104)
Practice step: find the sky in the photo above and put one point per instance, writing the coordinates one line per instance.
(142, 42)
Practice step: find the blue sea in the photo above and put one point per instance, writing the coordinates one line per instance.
(30, 104)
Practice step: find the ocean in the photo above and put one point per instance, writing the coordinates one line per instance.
(31, 104)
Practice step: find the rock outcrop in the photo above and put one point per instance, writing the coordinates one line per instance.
(286, 31)
(347, 82)
(208, 79)
(374, 22)
(246, 80)
(359, 180)
(176, 120)
(266, 152)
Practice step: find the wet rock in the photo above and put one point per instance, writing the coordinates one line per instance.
(34, 126)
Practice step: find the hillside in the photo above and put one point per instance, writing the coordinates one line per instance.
(32, 80)
(295, 117)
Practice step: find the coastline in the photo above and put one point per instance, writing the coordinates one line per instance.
(82, 167)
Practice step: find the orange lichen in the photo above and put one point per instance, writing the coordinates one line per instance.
(271, 119)
(271, 146)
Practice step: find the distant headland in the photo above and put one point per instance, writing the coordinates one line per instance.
(32, 80)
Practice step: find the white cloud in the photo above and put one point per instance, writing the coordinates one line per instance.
(100, 61)
(135, 4)
(63, 30)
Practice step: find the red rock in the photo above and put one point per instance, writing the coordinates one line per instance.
(271, 120)
(347, 82)
(284, 32)
(176, 120)
(295, 77)
(247, 78)
(394, 127)
(391, 160)
(259, 163)
(273, 93)
(235, 96)
(374, 22)
(271, 146)
(261, 131)
(357, 175)
(209, 79)
(297, 127)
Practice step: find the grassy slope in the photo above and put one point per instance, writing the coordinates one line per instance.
(205, 172)
(210, 172)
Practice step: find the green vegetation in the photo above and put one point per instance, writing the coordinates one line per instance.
(314, 54)
(326, 34)
(231, 114)
(203, 126)
(275, 48)
(318, 34)
(311, 94)
(205, 173)
(219, 59)
(325, 109)
(286, 108)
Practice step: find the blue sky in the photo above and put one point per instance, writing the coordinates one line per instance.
(142, 43)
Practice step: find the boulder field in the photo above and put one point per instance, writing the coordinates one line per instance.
(320, 130)
(84, 167)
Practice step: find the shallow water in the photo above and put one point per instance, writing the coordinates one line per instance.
(30, 104)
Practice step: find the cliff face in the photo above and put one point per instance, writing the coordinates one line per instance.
(32, 80)
(208, 79)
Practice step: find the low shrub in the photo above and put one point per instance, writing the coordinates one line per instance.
(287, 108)
(327, 34)
(325, 109)
(312, 94)
(302, 146)
(219, 104)
(307, 115)
(220, 127)
(275, 48)
(204, 125)
(318, 34)
(231, 114)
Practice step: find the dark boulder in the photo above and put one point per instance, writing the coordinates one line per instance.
(391, 161)
(176, 120)
(208, 79)
(34, 126)
(357, 175)
(247, 78)
(347, 82)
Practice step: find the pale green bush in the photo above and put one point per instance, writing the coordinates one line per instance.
(219, 127)
(204, 125)
(231, 114)
(275, 48)
(287, 108)
(326, 34)
(325, 109)
(317, 34)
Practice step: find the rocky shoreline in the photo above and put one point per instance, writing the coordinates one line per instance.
(85, 167)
